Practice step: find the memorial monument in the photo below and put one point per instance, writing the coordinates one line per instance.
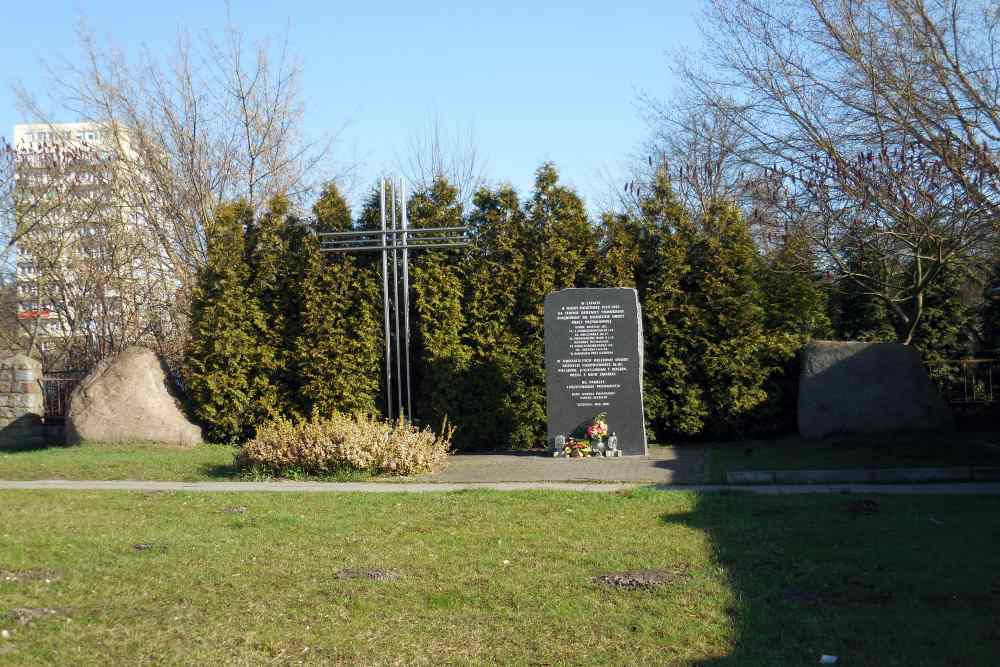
(593, 365)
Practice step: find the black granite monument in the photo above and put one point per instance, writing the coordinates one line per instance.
(593, 364)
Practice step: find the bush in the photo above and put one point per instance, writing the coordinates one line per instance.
(363, 443)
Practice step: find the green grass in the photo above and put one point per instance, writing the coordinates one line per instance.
(838, 453)
(141, 461)
(500, 578)
(134, 461)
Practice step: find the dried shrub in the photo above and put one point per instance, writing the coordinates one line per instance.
(323, 446)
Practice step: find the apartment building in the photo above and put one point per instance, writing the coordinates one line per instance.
(87, 272)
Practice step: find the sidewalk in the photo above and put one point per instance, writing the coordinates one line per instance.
(663, 465)
(972, 488)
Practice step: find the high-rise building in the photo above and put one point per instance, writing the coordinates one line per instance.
(87, 273)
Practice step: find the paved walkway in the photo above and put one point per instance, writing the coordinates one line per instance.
(663, 465)
(972, 488)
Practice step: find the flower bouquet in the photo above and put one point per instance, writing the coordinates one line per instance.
(598, 429)
(576, 449)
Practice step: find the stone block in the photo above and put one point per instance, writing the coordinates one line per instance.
(821, 476)
(593, 364)
(866, 388)
(27, 375)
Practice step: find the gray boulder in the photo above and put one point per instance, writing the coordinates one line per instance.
(128, 398)
(867, 388)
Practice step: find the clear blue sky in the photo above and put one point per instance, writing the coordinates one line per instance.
(534, 81)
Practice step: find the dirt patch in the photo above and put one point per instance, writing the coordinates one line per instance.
(24, 576)
(25, 615)
(643, 579)
(148, 547)
(371, 573)
(234, 510)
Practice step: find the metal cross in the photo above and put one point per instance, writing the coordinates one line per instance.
(399, 240)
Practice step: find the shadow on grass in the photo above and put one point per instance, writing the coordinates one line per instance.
(227, 471)
(873, 580)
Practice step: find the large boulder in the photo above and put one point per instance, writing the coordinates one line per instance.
(867, 388)
(128, 398)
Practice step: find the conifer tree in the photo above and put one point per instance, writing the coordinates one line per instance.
(991, 315)
(856, 314)
(266, 253)
(673, 399)
(338, 350)
(625, 250)
(730, 352)
(494, 273)
(796, 310)
(441, 356)
(794, 301)
(941, 335)
(562, 253)
(222, 357)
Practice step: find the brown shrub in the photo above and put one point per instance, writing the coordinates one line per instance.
(325, 445)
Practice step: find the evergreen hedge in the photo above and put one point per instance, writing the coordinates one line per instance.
(283, 330)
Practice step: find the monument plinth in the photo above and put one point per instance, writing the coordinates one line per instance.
(593, 364)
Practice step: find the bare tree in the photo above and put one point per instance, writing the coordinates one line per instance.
(863, 121)
(432, 153)
(214, 123)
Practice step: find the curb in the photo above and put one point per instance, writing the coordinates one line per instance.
(864, 476)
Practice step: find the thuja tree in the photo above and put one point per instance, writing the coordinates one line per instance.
(943, 333)
(796, 299)
(857, 313)
(673, 399)
(441, 355)
(991, 314)
(561, 253)
(709, 353)
(494, 271)
(266, 253)
(796, 310)
(223, 355)
(729, 351)
(337, 353)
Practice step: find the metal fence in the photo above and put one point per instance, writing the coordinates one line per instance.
(968, 381)
(57, 387)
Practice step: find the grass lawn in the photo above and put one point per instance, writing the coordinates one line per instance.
(134, 461)
(489, 577)
(838, 453)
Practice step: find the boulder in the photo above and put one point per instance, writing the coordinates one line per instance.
(128, 398)
(867, 388)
